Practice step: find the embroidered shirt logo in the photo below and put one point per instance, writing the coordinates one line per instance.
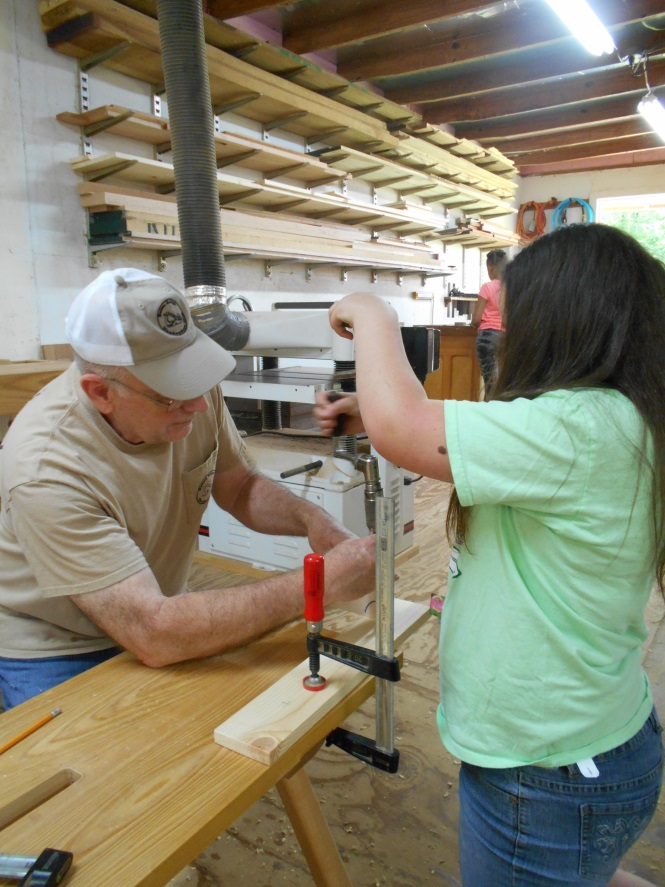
(171, 318)
(205, 488)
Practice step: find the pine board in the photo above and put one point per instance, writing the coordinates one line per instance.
(265, 195)
(272, 722)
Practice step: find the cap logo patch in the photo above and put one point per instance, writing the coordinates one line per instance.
(171, 318)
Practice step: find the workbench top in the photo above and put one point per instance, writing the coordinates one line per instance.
(128, 777)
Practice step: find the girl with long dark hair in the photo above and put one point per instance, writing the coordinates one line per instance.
(557, 527)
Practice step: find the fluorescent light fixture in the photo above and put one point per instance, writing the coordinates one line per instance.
(584, 24)
(651, 108)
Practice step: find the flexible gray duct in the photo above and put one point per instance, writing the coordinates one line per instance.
(185, 66)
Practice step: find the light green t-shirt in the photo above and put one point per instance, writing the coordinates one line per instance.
(540, 653)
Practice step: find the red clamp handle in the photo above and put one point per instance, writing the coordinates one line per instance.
(314, 587)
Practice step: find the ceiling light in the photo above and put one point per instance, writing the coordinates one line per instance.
(584, 24)
(651, 108)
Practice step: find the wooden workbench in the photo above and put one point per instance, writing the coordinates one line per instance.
(129, 779)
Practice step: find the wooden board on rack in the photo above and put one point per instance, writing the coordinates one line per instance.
(490, 158)
(82, 27)
(269, 725)
(19, 382)
(275, 197)
(122, 121)
(152, 220)
(421, 154)
(231, 79)
(231, 148)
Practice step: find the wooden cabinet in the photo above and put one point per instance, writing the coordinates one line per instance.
(458, 376)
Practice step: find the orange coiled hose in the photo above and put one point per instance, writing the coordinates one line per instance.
(539, 220)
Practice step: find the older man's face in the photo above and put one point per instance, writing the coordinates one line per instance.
(140, 415)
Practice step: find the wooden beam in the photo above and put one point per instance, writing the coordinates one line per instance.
(324, 26)
(594, 149)
(525, 69)
(476, 39)
(226, 9)
(586, 164)
(567, 91)
(613, 129)
(272, 722)
(491, 132)
(442, 46)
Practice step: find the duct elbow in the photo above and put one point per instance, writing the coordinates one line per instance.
(211, 314)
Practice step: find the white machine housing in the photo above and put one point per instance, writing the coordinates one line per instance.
(336, 487)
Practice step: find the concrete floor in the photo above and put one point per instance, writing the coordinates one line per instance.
(395, 830)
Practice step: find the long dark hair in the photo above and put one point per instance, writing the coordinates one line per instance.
(584, 307)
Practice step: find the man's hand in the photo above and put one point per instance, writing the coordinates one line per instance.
(323, 531)
(350, 569)
(327, 413)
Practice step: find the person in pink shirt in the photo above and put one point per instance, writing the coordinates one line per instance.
(487, 317)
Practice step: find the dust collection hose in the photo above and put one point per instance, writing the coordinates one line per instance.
(185, 66)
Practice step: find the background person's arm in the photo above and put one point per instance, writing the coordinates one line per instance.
(478, 311)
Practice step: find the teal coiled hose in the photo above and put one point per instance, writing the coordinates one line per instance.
(557, 215)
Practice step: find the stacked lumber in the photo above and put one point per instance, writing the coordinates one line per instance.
(490, 158)
(286, 64)
(265, 194)
(231, 148)
(328, 166)
(122, 216)
(409, 180)
(128, 41)
(480, 233)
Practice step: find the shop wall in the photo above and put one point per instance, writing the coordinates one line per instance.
(44, 259)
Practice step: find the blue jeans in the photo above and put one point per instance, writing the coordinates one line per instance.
(536, 826)
(21, 679)
(486, 345)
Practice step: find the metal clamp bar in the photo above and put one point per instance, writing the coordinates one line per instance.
(385, 619)
(360, 658)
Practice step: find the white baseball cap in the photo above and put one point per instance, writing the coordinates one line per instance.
(129, 318)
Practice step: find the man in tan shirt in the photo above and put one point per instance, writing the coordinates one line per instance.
(105, 476)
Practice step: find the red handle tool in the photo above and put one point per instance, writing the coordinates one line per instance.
(314, 587)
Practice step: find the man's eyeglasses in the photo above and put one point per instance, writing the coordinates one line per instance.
(169, 405)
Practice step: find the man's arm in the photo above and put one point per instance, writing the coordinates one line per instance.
(162, 630)
(267, 507)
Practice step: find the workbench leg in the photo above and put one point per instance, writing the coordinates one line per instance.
(312, 830)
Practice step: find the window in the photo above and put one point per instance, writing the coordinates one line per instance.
(642, 216)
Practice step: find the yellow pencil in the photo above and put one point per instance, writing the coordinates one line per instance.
(40, 723)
